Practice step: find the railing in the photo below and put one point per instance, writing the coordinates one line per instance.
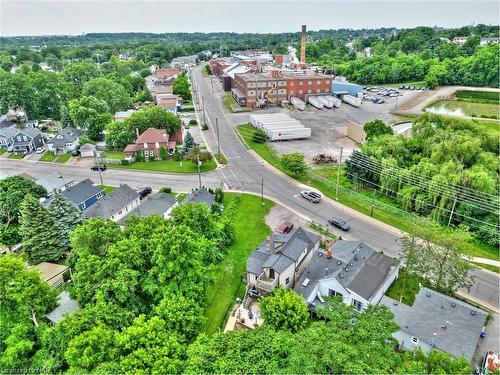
(266, 283)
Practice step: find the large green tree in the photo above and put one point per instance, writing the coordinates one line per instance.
(114, 94)
(284, 309)
(41, 238)
(66, 217)
(181, 87)
(91, 114)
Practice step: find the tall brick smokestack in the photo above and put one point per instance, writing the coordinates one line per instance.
(303, 40)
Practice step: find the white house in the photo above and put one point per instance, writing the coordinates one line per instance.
(486, 41)
(116, 204)
(350, 269)
(55, 183)
(160, 204)
(280, 260)
(65, 141)
(460, 40)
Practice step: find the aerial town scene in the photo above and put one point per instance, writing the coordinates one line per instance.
(236, 187)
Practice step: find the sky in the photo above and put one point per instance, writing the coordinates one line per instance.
(74, 17)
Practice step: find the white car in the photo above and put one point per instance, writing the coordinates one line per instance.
(40, 150)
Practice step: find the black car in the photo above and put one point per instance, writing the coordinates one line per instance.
(144, 191)
(102, 168)
(76, 152)
(311, 196)
(339, 223)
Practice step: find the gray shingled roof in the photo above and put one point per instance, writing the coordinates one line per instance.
(156, 204)
(355, 265)
(432, 311)
(53, 181)
(113, 202)
(80, 192)
(279, 251)
(67, 305)
(66, 135)
(8, 132)
(200, 195)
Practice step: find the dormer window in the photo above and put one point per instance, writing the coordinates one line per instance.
(145, 145)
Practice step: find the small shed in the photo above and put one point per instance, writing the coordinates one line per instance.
(52, 273)
(87, 150)
(66, 305)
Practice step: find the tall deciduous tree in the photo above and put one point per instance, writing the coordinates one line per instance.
(375, 128)
(91, 114)
(66, 217)
(294, 163)
(181, 87)
(284, 309)
(41, 239)
(114, 94)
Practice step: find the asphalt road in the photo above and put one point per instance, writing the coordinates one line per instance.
(246, 173)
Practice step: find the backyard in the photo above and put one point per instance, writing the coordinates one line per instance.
(405, 287)
(250, 231)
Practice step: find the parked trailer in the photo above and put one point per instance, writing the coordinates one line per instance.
(313, 100)
(268, 124)
(297, 103)
(352, 100)
(327, 103)
(288, 134)
(336, 102)
(255, 120)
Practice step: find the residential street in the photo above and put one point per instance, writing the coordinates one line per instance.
(246, 172)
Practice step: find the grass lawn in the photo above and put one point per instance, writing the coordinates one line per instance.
(15, 156)
(360, 200)
(47, 156)
(185, 166)
(181, 196)
(108, 189)
(2, 151)
(488, 267)
(221, 158)
(231, 104)
(119, 155)
(408, 285)
(416, 83)
(63, 158)
(250, 231)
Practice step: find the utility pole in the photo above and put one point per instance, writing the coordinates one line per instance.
(198, 163)
(218, 138)
(373, 203)
(452, 209)
(338, 174)
(98, 167)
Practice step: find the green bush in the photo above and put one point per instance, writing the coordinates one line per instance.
(204, 127)
(165, 189)
(294, 163)
(193, 122)
(259, 136)
(124, 162)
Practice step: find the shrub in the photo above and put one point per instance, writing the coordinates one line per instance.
(151, 158)
(259, 136)
(124, 162)
(193, 122)
(177, 155)
(166, 189)
(294, 163)
(204, 127)
(219, 195)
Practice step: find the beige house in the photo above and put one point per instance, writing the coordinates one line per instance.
(280, 260)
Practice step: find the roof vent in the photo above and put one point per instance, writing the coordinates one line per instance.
(320, 254)
(339, 262)
(305, 283)
(473, 312)
(361, 244)
(356, 258)
(346, 269)
(453, 304)
(428, 294)
(341, 275)
(443, 326)
(351, 264)
(395, 303)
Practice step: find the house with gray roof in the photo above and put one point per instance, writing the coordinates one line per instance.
(351, 270)
(437, 321)
(65, 141)
(160, 204)
(116, 204)
(6, 135)
(200, 195)
(280, 260)
(66, 306)
(83, 194)
(26, 140)
(54, 183)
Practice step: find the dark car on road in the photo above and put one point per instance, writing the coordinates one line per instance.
(311, 196)
(285, 227)
(339, 223)
(102, 168)
(75, 152)
(144, 191)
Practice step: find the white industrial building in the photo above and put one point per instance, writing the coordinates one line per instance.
(280, 126)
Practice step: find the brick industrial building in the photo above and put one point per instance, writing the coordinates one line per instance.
(257, 89)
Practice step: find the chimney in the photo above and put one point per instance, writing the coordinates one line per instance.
(303, 40)
(137, 132)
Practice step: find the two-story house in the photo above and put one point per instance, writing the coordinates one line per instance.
(64, 141)
(27, 140)
(116, 204)
(83, 194)
(351, 270)
(6, 135)
(280, 260)
(151, 142)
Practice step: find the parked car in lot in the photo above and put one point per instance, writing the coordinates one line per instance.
(144, 191)
(40, 150)
(102, 168)
(311, 196)
(339, 223)
(285, 227)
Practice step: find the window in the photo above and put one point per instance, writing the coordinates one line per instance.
(157, 145)
(301, 83)
(414, 340)
(357, 305)
(146, 153)
(326, 90)
(333, 293)
(292, 92)
(120, 212)
(309, 83)
(327, 82)
(287, 280)
(25, 138)
(19, 138)
(83, 206)
(308, 91)
(256, 277)
(292, 83)
(318, 91)
(318, 82)
(145, 145)
(300, 91)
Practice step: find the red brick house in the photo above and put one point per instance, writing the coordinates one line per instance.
(152, 141)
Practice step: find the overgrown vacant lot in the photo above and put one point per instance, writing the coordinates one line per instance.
(250, 231)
